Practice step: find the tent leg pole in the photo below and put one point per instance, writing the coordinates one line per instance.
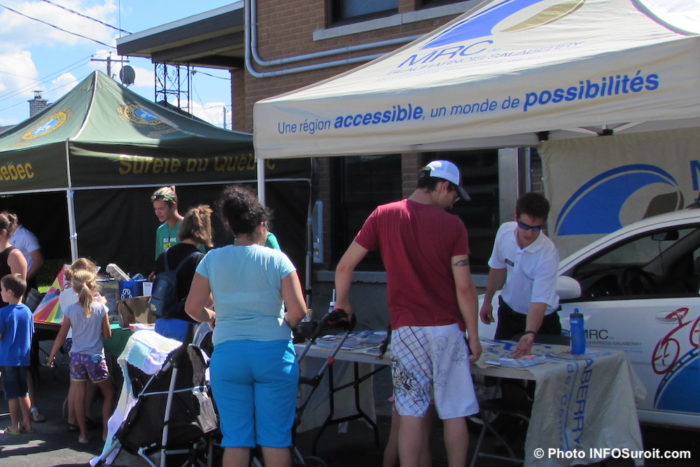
(309, 251)
(73, 235)
(261, 181)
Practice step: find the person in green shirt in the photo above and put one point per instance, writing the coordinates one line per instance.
(165, 207)
(271, 242)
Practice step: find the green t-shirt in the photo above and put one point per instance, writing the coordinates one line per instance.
(166, 237)
(272, 242)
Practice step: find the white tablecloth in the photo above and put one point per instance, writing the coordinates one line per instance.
(581, 403)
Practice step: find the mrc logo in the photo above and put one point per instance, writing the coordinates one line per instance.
(597, 206)
(505, 16)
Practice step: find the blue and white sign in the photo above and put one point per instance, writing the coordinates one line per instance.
(506, 73)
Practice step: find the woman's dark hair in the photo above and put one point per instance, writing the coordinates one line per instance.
(196, 226)
(241, 210)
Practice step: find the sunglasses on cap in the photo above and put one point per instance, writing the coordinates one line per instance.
(524, 226)
(161, 197)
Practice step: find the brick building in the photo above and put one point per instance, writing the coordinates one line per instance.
(295, 43)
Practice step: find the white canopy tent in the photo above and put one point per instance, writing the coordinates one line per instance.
(507, 73)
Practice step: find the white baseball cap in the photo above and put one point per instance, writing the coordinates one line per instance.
(448, 171)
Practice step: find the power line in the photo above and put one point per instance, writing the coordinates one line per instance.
(78, 63)
(200, 72)
(24, 102)
(9, 95)
(85, 16)
(56, 27)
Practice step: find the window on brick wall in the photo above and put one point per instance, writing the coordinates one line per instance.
(481, 213)
(346, 11)
(360, 184)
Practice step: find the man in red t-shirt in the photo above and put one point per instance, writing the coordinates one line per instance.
(432, 301)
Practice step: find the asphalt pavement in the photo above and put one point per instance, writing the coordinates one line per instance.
(52, 445)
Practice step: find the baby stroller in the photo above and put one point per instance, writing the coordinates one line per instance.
(174, 414)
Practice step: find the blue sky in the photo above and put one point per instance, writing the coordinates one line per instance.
(35, 56)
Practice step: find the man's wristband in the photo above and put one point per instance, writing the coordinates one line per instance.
(534, 334)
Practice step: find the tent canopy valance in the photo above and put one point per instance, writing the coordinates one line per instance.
(506, 73)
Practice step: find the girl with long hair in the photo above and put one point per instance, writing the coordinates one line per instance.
(195, 233)
(89, 323)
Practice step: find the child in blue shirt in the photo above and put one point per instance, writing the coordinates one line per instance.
(16, 329)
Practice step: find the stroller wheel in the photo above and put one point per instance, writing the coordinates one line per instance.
(313, 461)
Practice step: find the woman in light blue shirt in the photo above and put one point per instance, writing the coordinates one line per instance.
(254, 374)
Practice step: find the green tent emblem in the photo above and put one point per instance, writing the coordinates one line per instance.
(137, 114)
(48, 125)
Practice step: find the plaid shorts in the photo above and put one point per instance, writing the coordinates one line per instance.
(431, 364)
(84, 366)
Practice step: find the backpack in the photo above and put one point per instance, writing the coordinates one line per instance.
(164, 301)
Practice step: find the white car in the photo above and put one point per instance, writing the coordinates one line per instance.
(640, 292)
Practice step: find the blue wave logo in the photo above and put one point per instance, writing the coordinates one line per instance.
(595, 207)
(678, 390)
(484, 22)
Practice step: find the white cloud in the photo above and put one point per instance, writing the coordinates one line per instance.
(18, 80)
(212, 112)
(35, 56)
(18, 75)
(60, 86)
(144, 78)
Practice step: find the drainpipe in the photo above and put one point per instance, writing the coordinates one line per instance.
(252, 57)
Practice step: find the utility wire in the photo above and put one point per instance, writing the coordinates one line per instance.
(11, 95)
(200, 72)
(24, 102)
(14, 92)
(85, 16)
(56, 27)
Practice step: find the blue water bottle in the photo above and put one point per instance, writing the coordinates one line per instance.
(578, 335)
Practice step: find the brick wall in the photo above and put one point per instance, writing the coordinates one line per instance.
(285, 29)
(410, 163)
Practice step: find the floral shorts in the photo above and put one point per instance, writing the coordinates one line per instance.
(84, 366)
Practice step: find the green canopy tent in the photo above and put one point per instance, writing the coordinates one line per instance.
(105, 148)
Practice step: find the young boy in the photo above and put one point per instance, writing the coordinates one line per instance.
(16, 329)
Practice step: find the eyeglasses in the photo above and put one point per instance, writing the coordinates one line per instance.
(524, 226)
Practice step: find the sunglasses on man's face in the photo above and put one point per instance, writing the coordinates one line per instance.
(524, 226)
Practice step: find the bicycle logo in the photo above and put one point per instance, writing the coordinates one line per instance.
(668, 349)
